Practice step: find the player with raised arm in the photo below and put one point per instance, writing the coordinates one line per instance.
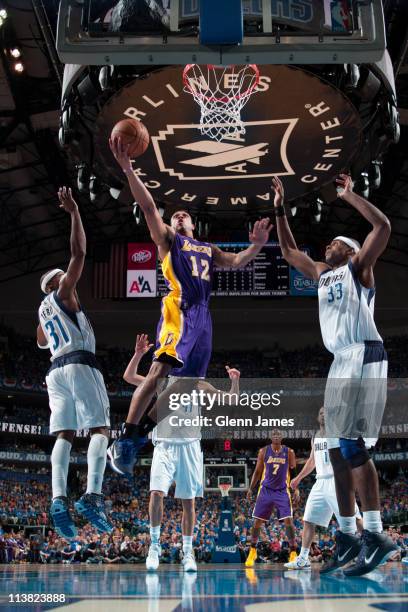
(76, 389)
(356, 388)
(184, 333)
(175, 459)
(273, 470)
(322, 501)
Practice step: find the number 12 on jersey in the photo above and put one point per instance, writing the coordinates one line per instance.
(205, 266)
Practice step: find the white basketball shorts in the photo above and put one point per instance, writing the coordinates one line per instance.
(179, 463)
(356, 392)
(322, 503)
(78, 398)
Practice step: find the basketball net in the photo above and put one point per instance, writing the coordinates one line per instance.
(224, 488)
(221, 93)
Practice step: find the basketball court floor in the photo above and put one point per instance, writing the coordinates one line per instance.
(266, 588)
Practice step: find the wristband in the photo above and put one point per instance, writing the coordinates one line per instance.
(280, 211)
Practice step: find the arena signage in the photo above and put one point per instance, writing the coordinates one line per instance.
(304, 13)
(36, 457)
(298, 127)
(141, 276)
(23, 428)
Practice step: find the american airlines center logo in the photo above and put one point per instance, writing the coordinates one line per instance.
(297, 126)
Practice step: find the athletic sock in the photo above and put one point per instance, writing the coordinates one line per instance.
(372, 521)
(96, 462)
(304, 553)
(130, 430)
(59, 467)
(348, 524)
(155, 534)
(187, 543)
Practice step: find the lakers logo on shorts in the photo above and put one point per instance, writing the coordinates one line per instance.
(169, 339)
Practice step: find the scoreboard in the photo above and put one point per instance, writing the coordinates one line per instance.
(268, 275)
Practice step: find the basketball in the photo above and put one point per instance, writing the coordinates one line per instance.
(134, 134)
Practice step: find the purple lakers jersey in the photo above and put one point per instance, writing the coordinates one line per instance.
(188, 270)
(276, 468)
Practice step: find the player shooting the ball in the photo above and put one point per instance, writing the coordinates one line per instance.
(184, 332)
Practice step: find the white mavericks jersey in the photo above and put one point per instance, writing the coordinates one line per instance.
(346, 309)
(324, 467)
(66, 331)
(165, 432)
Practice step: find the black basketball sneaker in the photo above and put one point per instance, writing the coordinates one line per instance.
(376, 548)
(348, 547)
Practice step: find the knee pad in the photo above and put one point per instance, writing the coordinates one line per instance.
(354, 451)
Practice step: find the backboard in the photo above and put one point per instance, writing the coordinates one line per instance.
(165, 32)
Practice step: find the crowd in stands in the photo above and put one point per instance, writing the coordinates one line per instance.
(24, 503)
(25, 492)
(24, 365)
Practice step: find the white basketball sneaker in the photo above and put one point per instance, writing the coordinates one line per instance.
(298, 564)
(189, 562)
(152, 559)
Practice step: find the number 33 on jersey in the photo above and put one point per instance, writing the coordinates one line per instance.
(346, 309)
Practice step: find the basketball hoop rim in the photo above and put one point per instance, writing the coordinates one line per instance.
(225, 99)
(225, 487)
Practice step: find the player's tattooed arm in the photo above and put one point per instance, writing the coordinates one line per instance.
(161, 234)
(258, 237)
(305, 471)
(377, 239)
(66, 290)
(141, 348)
(256, 476)
(294, 256)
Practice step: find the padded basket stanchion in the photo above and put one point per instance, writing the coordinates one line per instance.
(221, 22)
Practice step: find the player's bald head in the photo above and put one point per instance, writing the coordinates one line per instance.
(276, 435)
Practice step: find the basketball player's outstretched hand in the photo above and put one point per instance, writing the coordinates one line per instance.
(260, 232)
(142, 344)
(345, 185)
(233, 373)
(120, 152)
(67, 202)
(277, 186)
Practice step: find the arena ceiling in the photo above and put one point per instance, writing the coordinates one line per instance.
(34, 233)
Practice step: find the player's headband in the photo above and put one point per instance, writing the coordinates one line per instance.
(353, 244)
(50, 275)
